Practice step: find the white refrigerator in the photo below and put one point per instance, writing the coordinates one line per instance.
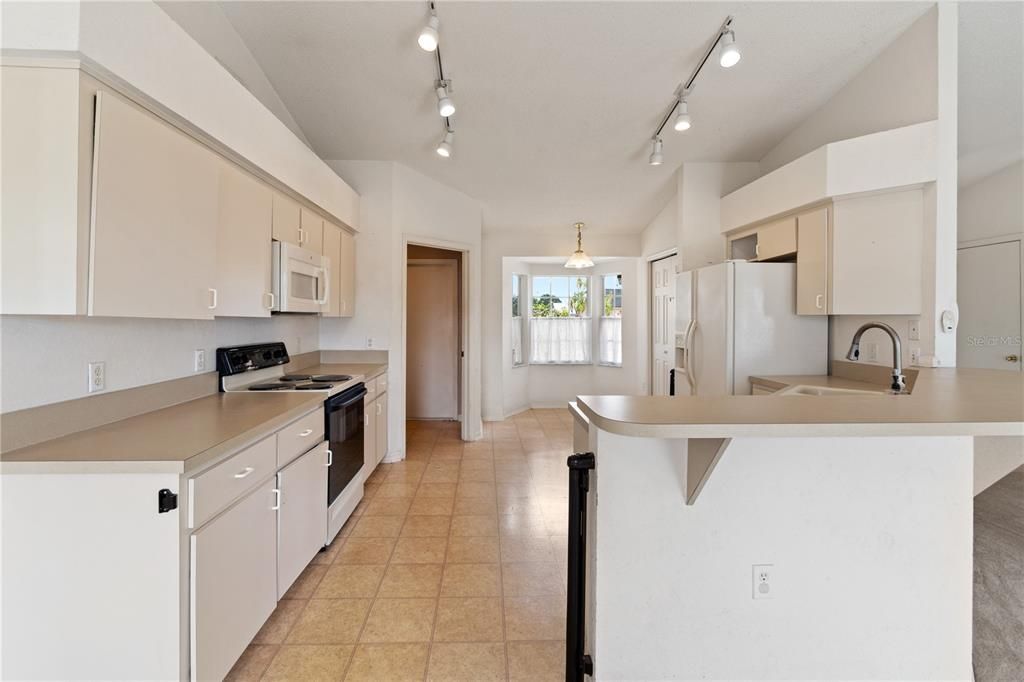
(738, 319)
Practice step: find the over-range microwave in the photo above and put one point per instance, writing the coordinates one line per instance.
(299, 279)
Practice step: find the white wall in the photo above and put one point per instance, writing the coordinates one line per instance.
(700, 188)
(45, 359)
(661, 234)
(993, 206)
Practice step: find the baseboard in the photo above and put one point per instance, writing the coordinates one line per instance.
(513, 412)
(393, 456)
(550, 405)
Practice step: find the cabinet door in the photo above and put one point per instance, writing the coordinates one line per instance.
(286, 220)
(776, 239)
(302, 518)
(369, 439)
(382, 428)
(233, 588)
(312, 234)
(332, 252)
(347, 275)
(243, 245)
(812, 262)
(154, 218)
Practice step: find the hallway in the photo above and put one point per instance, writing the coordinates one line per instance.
(451, 568)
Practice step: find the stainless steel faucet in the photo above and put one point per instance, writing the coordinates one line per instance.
(899, 382)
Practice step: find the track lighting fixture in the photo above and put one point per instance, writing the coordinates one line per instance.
(656, 158)
(444, 147)
(682, 117)
(730, 55)
(445, 106)
(428, 36)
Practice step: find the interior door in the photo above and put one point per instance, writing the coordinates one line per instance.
(432, 347)
(989, 295)
(662, 323)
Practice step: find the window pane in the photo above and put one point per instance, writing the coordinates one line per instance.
(515, 295)
(612, 296)
(560, 328)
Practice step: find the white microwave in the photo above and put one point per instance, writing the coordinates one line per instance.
(299, 279)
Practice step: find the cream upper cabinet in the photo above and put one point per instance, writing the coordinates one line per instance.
(332, 252)
(154, 219)
(312, 234)
(346, 295)
(812, 262)
(243, 245)
(776, 239)
(286, 220)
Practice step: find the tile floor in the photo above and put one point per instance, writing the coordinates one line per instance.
(452, 567)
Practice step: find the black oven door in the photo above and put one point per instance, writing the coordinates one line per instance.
(343, 415)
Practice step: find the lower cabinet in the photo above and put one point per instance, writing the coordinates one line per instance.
(382, 428)
(302, 517)
(234, 582)
(369, 438)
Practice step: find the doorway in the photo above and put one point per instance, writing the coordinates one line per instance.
(989, 294)
(663, 325)
(434, 311)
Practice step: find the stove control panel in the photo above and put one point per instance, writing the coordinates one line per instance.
(238, 359)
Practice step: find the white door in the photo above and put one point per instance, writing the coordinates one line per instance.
(302, 517)
(234, 582)
(989, 296)
(663, 313)
(711, 353)
(432, 342)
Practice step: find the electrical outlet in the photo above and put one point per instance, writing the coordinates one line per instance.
(914, 330)
(915, 356)
(97, 376)
(369, 342)
(199, 360)
(872, 352)
(762, 580)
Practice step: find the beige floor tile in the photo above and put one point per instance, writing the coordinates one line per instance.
(400, 620)
(307, 582)
(428, 550)
(396, 490)
(522, 524)
(441, 472)
(466, 662)
(446, 490)
(474, 506)
(388, 506)
(473, 550)
(327, 556)
(534, 618)
(378, 527)
(536, 661)
(330, 621)
(479, 490)
(468, 619)
(425, 526)
(275, 630)
(477, 525)
(477, 474)
(366, 551)
(405, 662)
(253, 661)
(350, 580)
(309, 662)
(411, 580)
(528, 579)
(471, 580)
(515, 548)
(432, 506)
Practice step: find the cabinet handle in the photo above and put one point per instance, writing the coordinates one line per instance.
(244, 472)
(757, 250)
(213, 298)
(305, 433)
(818, 301)
(330, 457)
(270, 297)
(277, 499)
(301, 240)
(378, 409)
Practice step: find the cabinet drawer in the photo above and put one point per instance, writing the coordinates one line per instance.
(300, 436)
(213, 490)
(382, 383)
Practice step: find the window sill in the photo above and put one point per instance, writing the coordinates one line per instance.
(561, 364)
(608, 364)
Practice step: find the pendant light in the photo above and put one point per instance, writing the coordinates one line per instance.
(579, 259)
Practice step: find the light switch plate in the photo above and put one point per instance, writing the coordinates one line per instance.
(914, 330)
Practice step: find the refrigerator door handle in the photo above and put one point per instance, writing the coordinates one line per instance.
(691, 375)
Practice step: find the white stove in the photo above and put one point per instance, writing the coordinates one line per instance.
(274, 380)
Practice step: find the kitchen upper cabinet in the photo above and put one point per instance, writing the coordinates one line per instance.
(286, 220)
(812, 262)
(381, 440)
(243, 245)
(312, 234)
(233, 581)
(776, 239)
(154, 217)
(302, 517)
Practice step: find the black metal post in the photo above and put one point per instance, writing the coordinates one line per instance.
(577, 663)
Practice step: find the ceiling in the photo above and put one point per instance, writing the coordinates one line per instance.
(990, 88)
(557, 101)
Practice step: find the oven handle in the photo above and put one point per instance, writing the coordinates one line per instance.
(352, 400)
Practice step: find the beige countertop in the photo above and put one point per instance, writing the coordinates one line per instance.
(182, 437)
(968, 402)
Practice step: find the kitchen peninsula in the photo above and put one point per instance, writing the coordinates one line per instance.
(858, 505)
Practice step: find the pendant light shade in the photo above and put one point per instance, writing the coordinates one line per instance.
(579, 259)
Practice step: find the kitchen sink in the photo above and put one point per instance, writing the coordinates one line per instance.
(803, 389)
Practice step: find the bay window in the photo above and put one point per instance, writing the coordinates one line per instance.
(560, 321)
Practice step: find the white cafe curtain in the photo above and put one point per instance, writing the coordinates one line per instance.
(560, 339)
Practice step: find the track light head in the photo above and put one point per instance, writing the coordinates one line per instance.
(444, 147)
(730, 54)
(428, 36)
(445, 105)
(656, 158)
(682, 117)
